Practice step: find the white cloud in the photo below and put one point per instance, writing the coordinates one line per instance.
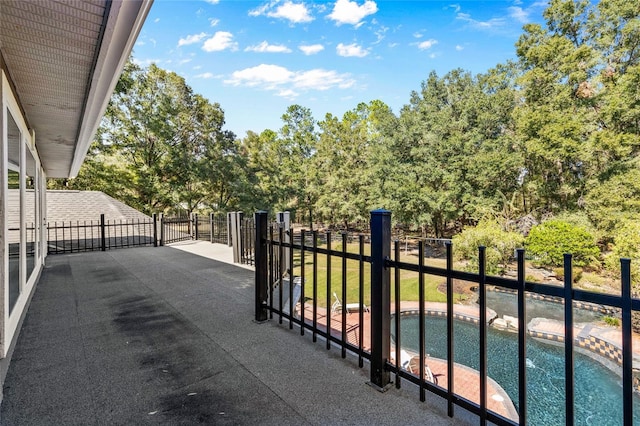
(455, 7)
(197, 67)
(190, 39)
(205, 75)
(213, 22)
(311, 49)
(288, 94)
(221, 40)
(265, 47)
(418, 35)
(319, 79)
(146, 62)
(287, 83)
(213, 1)
(459, 47)
(380, 34)
(349, 12)
(266, 75)
(480, 25)
(427, 44)
(184, 61)
(519, 14)
(156, 20)
(353, 49)
(296, 13)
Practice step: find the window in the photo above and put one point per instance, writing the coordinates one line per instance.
(14, 139)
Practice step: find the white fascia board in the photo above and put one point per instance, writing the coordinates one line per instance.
(125, 20)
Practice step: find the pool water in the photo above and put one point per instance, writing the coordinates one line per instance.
(507, 304)
(598, 391)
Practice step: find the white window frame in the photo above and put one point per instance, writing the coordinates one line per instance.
(11, 321)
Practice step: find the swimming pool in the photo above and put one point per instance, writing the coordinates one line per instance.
(507, 304)
(598, 391)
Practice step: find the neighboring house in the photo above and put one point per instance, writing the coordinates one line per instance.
(59, 63)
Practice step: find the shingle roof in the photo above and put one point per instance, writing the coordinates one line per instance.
(65, 206)
(87, 205)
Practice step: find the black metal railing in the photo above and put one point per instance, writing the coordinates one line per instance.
(247, 241)
(276, 294)
(219, 229)
(93, 235)
(176, 228)
(73, 237)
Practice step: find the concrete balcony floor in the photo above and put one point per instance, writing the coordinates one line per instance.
(163, 336)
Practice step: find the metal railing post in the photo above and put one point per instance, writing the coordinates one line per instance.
(195, 225)
(161, 229)
(380, 298)
(569, 364)
(211, 228)
(103, 240)
(627, 350)
(522, 339)
(155, 230)
(229, 229)
(261, 265)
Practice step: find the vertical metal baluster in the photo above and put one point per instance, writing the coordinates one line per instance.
(522, 340)
(396, 289)
(291, 278)
(271, 269)
(568, 340)
(482, 288)
(627, 349)
(328, 290)
(315, 285)
(421, 315)
(361, 300)
(450, 351)
(302, 282)
(344, 294)
(280, 271)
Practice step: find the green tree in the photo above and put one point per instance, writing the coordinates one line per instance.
(296, 147)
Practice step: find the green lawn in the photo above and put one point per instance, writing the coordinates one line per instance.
(408, 279)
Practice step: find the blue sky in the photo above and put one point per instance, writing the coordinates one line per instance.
(255, 58)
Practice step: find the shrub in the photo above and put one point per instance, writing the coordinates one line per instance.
(549, 241)
(613, 321)
(626, 244)
(500, 245)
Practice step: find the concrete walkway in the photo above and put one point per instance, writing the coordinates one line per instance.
(162, 336)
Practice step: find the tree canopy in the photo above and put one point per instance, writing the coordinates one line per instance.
(556, 130)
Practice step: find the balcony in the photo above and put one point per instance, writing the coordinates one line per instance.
(161, 335)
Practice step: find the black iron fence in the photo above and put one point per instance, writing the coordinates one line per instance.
(219, 229)
(73, 237)
(306, 293)
(102, 234)
(247, 241)
(176, 228)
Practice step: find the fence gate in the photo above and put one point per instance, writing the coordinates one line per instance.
(174, 229)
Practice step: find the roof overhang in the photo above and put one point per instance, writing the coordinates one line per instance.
(64, 59)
